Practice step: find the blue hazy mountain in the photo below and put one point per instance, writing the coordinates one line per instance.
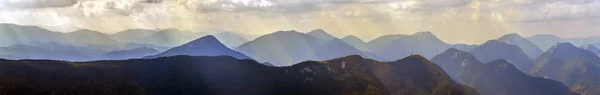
(205, 46)
(321, 34)
(578, 41)
(133, 35)
(577, 68)
(231, 40)
(356, 42)
(11, 34)
(464, 47)
(383, 41)
(169, 38)
(423, 43)
(494, 50)
(591, 48)
(336, 48)
(282, 48)
(529, 48)
(495, 77)
(544, 41)
(129, 54)
(49, 51)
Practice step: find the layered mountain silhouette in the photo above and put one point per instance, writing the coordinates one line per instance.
(231, 40)
(321, 34)
(423, 43)
(129, 54)
(356, 42)
(494, 50)
(53, 51)
(227, 75)
(497, 77)
(575, 67)
(544, 41)
(591, 48)
(282, 48)
(205, 46)
(335, 48)
(464, 47)
(529, 48)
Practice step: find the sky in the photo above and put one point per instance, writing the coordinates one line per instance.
(454, 21)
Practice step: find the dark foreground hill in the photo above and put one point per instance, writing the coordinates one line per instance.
(352, 75)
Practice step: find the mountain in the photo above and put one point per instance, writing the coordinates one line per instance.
(383, 41)
(464, 47)
(335, 48)
(423, 43)
(321, 34)
(231, 40)
(494, 50)
(575, 67)
(591, 48)
(132, 35)
(529, 48)
(169, 37)
(282, 48)
(229, 76)
(544, 41)
(453, 60)
(497, 77)
(583, 40)
(129, 54)
(50, 51)
(205, 46)
(356, 42)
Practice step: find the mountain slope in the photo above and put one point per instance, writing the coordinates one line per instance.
(129, 54)
(544, 41)
(591, 48)
(231, 40)
(575, 67)
(334, 49)
(497, 77)
(529, 48)
(422, 43)
(205, 46)
(494, 50)
(321, 34)
(282, 48)
(228, 76)
(356, 42)
(382, 41)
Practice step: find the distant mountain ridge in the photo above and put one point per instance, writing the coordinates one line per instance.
(205, 46)
(494, 50)
(423, 43)
(575, 67)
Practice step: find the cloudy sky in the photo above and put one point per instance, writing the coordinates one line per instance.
(455, 21)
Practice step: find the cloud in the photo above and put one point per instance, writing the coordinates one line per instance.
(15, 4)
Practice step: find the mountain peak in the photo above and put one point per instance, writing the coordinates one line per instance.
(565, 45)
(352, 38)
(321, 34)
(424, 34)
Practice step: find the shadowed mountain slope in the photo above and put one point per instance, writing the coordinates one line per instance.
(497, 77)
(494, 50)
(227, 76)
(205, 46)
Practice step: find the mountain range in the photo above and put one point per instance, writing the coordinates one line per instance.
(227, 75)
(497, 77)
(575, 67)
(205, 46)
(494, 50)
